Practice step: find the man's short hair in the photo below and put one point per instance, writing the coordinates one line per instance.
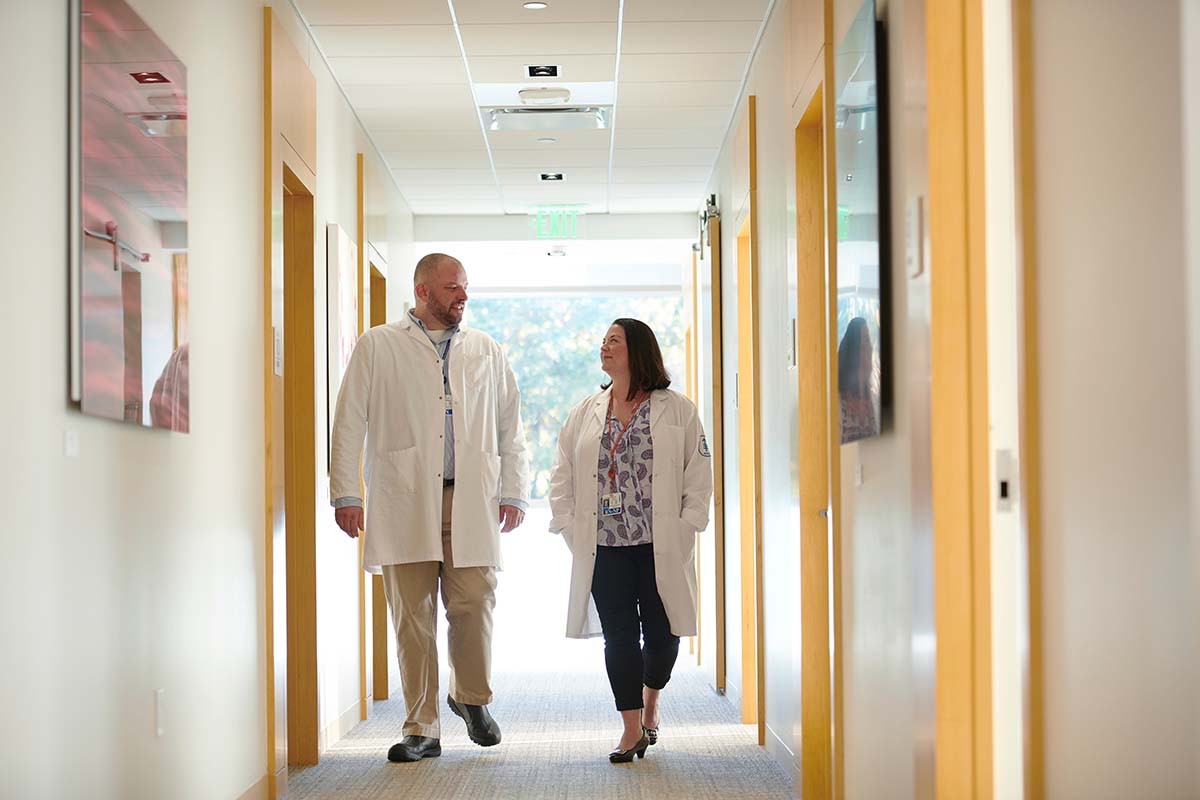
(429, 264)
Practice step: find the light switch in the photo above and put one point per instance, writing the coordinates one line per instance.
(71, 444)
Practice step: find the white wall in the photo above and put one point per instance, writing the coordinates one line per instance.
(139, 565)
(135, 566)
(1118, 585)
(879, 553)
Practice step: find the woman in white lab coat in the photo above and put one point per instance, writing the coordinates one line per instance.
(630, 489)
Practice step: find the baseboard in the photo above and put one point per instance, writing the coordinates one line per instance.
(335, 730)
(783, 755)
(259, 791)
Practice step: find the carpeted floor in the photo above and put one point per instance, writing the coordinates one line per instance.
(558, 728)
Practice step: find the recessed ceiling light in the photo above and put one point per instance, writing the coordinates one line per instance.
(541, 70)
(535, 6)
(547, 140)
(552, 176)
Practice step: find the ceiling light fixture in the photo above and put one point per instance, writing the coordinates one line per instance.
(541, 70)
(547, 119)
(555, 177)
(544, 96)
(535, 6)
(547, 140)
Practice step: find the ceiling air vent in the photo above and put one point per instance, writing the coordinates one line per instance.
(547, 119)
(541, 70)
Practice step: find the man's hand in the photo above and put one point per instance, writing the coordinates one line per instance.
(349, 519)
(510, 518)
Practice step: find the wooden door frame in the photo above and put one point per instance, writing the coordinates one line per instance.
(819, 759)
(289, 150)
(380, 664)
(713, 235)
(961, 468)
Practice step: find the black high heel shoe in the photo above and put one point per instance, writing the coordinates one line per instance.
(650, 734)
(625, 756)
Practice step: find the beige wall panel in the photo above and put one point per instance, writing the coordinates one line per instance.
(1119, 667)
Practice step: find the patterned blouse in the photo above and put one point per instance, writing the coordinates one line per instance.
(635, 459)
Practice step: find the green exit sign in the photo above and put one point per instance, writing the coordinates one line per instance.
(555, 222)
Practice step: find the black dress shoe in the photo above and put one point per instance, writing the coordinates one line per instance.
(482, 729)
(619, 756)
(414, 748)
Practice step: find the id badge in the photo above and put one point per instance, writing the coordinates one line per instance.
(610, 504)
(449, 407)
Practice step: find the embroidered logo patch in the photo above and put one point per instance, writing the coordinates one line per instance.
(704, 451)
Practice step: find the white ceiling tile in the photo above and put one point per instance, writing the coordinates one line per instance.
(671, 137)
(375, 12)
(437, 159)
(598, 206)
(432, 191)
(581, 38)
(697, 10)
(676, 93)
(550, 156)
(427, 140)
(647, 190)
(354, 71)
(554, 196)
(478, 206)
(672, 117)
(657, 156)
(472, 12)
(572, 69)
(370, 41)
(654, 205)
(567, 140)
(661, 174)
(658, 67)
(443, 177)
(531, 177)
(410, 97)
(687, 37)
(451, 120)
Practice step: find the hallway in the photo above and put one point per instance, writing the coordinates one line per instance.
(557, 728)
(556, 713)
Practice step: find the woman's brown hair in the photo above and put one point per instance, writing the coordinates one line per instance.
(646, 370)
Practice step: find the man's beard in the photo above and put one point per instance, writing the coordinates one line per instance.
(445, 314)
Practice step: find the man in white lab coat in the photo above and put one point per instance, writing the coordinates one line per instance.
(446, 470)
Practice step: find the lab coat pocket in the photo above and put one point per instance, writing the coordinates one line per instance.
(396, 473)
(687, 539)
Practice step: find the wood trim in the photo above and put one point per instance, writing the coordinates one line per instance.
(360, 279)
(961, 524)
(814, 747)
(379, 627)
(718, 451)
(1030, 441)
(300, 469)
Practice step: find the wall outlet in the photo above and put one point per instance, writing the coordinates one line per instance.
(71, 444)
(160, 721)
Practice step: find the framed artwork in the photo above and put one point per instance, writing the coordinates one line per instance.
(862, 227)
(341, 305)
(128, 220)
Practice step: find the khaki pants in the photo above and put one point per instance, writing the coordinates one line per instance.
(469, 595)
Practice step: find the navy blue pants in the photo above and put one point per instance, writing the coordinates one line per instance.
(639, 648)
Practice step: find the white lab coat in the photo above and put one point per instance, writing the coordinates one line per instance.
(392, 396)
(682, 485)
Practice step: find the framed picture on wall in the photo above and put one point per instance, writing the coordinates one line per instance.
(128, 219)
(341, 307)
(862, 228)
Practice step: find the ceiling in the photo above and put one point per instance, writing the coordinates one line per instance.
(417, 72)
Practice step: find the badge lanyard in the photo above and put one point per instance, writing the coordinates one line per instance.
(611, 504)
